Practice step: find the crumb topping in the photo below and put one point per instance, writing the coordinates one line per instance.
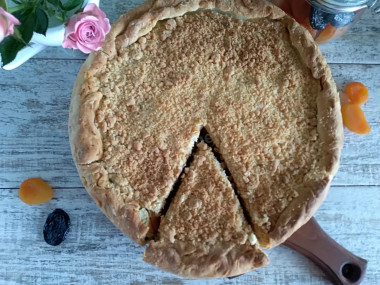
(207, 69)
(205, 209)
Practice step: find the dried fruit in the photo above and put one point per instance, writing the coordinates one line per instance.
(327, 34)
(285, 6)
(354, 119)
(56, 227)
(300, 10)
(341, 19)
(35, 191)
(357, 93)
(306, 23)
(318, 19)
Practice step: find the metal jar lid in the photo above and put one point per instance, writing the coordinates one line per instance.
(342, 5)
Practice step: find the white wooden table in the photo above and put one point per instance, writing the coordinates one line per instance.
(34, 103)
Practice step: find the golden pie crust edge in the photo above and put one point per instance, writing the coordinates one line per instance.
(195, 260)
(222, 260)
(86, 142)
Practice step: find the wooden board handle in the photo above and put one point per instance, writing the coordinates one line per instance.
(340, 265)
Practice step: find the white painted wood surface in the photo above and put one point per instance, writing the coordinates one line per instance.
(34, 102)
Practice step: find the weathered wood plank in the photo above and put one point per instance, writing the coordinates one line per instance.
(34, 115)
(360, 45)
(362, 40)
(52, 161)
(95, 252)
(113, 10)
(34, 102)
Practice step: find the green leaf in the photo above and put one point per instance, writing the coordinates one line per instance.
(3, 4)
(23, 33)
(19, 15)
(28, 21)
(50, 11)
(80, 10)
(15, 9)
(42, 22)
(16, 2)
(27, 28)
(9, 48)
(71, 4)
(17, 35)
(60, 4)
(55, 3)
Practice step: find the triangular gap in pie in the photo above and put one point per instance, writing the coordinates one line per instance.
(277, 125)
(243, 69)
(204, 233)
(133, 198)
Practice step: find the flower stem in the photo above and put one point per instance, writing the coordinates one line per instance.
(14, 9)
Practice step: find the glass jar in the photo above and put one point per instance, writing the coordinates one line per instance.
(325, 19)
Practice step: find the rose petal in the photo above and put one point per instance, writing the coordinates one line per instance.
(3, 28)
(87, 30)
(10, 17)
(70, 41)
(86, 48)
(92, 9)
(7, 22)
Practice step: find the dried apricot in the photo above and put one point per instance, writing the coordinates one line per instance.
(329, 33)
(326, 34)
(354, 119)
(357, 93)
(340, 32)
(35, 191)
(284, 5)
(300, 10)
(306, 24)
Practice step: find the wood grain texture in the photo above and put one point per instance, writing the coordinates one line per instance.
(34, 101)
(97, 252)
(362, 39)
(34, 115)
(361, 44)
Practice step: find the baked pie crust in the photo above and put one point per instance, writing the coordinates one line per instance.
(244, 71)
(204, 232)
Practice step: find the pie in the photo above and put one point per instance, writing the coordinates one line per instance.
(204, 232)
(241, 71)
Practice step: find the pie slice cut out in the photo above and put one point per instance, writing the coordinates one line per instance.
(204, 233)
(241, 69)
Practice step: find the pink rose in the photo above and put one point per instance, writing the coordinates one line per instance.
(87, 30)
(7, 22)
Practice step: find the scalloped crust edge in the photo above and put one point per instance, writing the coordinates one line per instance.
(203, 261)
(85, 138)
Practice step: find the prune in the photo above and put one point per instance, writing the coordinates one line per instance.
(56, 227)
(318, 19)
(341, 19)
